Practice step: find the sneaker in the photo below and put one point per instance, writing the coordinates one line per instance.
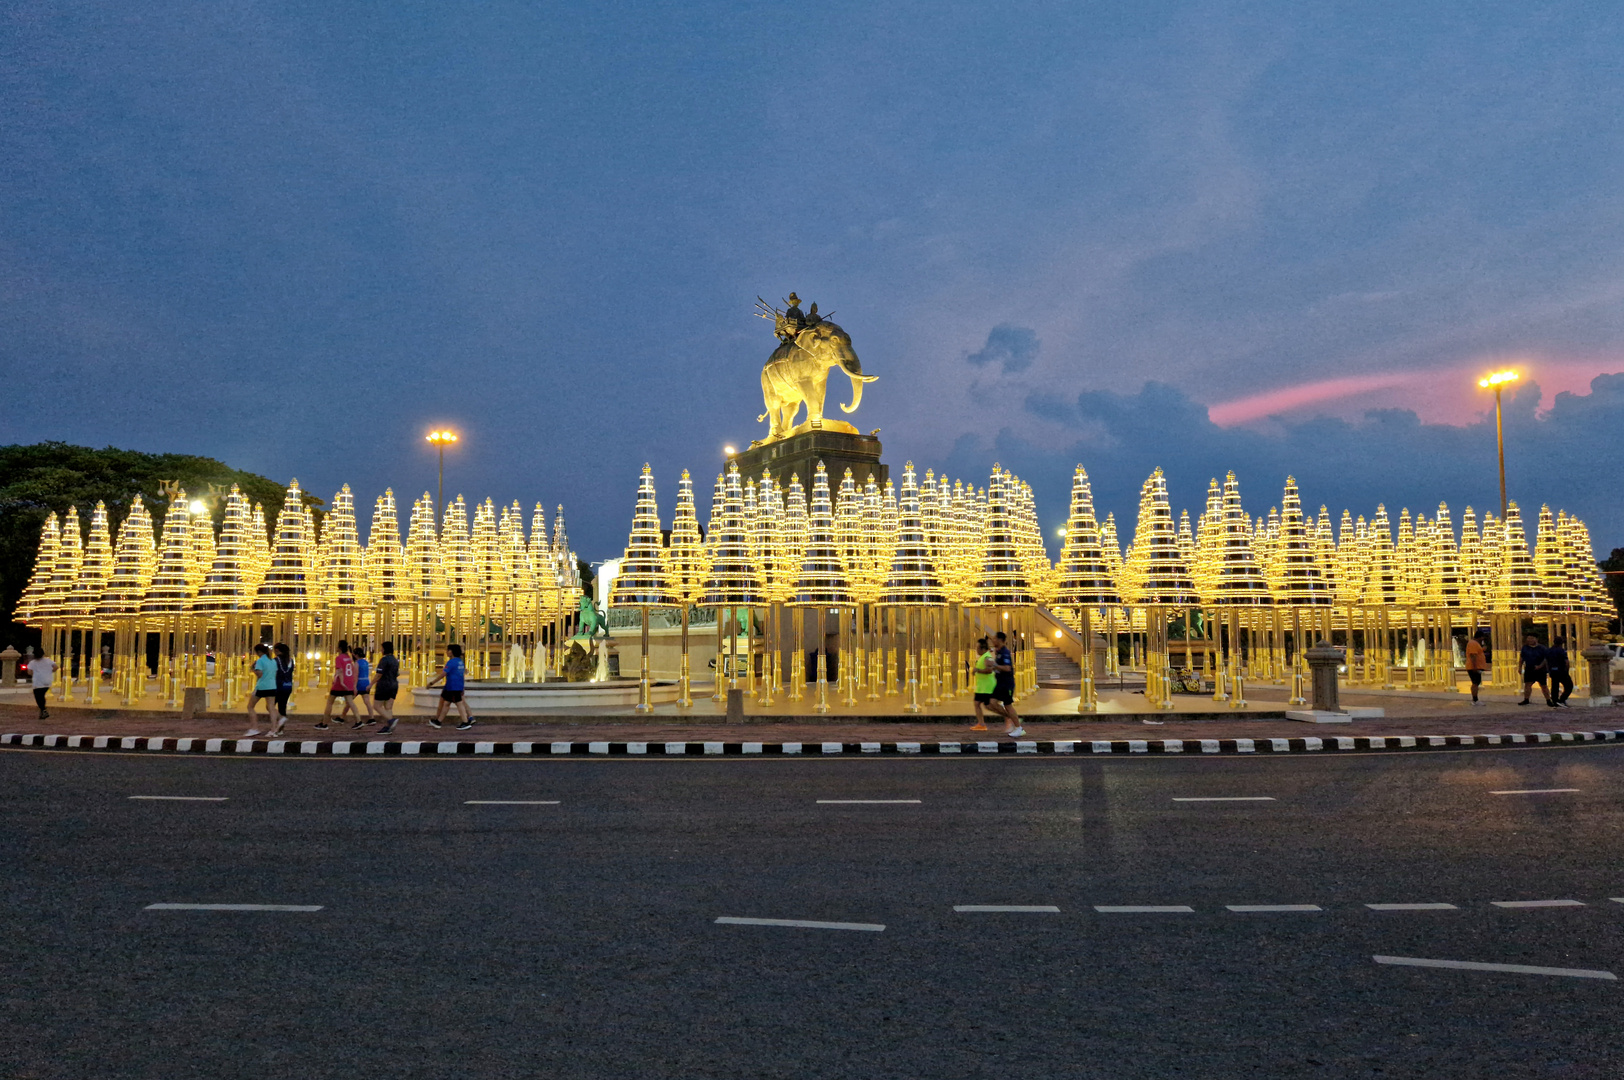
(466, 724)
(978, 727)
(321, 727)
(44, 716)
(434, 723)
(1524, 703)
(250, 733)
(387, 731)
(1017, 733)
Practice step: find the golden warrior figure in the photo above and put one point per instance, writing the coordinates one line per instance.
(797, 372)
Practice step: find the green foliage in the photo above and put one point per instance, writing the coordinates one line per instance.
(1615, 581)
(50, 477)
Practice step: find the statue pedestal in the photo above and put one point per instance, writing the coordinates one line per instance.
(799, 453)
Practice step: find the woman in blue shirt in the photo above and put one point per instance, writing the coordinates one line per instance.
(451, 674)
(264, 690)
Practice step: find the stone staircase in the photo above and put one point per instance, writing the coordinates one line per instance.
(1056, 671)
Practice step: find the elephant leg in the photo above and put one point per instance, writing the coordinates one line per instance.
(812, 391)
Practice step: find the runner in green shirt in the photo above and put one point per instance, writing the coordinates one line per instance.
(986, 682)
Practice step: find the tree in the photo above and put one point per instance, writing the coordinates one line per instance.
(1615, 583)
(49, 477)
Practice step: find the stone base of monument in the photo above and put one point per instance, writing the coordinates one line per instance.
(1346, 716)
(483, 696)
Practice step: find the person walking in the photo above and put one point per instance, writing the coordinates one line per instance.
(451, 673)
(986, 681)
(264, 690)
(1534, 666)
(344, 676)
(284, 685)
(386, 686)
(41, 672)
(1477, 662)
(1003, 691)
(363, 685)
(1556, 666)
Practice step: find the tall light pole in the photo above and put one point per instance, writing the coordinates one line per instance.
(439, 439)
(1497, 382)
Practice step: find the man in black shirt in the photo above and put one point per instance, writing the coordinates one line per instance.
(1556, 664)
(1534, 666)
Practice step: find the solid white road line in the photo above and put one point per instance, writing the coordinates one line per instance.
(1471, 965)
(1617, 899)
(510, 802)
(180, 798)
(232, 907)
(1226, 798)
(1536, 903)
(1274, 907)
(1131, 909)
(1046, 908)
(1412, 907)
(1537, 791)
(805, 924)
(875, 802)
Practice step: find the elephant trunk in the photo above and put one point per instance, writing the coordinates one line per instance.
(857, 382)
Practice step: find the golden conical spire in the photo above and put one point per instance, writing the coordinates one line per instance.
(1001, 580)
(1448, 585)
(1518, 588)
(170, 590)
(134, 559)
(387, 580)
(734, 578)
(226, 587)
(64, 569)
(822, 581)
(456, 557)
(343, 571)
(1158, 574)
(95, 567)
(912, 576)
(795, 528)
(686, 564)
(1084, 578)
(424, 571)
(1237, 580)
(1300, 578)
(288, 582)
(1383, 583)
(778, 572)
(489, 575)
(1550, 562)
(32, 601)
(642, 578)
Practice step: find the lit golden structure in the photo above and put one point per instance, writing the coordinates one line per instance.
(643, 582)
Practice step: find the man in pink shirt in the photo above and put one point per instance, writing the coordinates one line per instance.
(344, 672)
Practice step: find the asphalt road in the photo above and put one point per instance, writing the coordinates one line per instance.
(578, 938)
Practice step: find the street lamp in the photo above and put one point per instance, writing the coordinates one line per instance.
(1497, 383)
(439, 439)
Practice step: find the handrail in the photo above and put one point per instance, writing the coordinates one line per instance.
(1061, 636)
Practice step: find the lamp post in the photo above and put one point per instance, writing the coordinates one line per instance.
(439, 439)
(1497, 383)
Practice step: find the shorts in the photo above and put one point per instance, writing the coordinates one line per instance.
(341, 693)
(258, 694)
(363, 688)
(452, 696)
(1004, 692)
(1476, 677)
(386, 692)
(982, 699)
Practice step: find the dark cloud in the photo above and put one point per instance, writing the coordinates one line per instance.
(1558, 458)
(1015, 347)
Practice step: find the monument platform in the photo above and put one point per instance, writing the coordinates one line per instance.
(799, 452)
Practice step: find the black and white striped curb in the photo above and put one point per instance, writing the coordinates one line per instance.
(803, 749)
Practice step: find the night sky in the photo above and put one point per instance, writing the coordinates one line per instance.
(1264, 237)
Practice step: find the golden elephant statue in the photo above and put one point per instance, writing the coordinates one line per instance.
(798, 372)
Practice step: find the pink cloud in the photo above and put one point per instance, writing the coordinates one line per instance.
(1291, 398)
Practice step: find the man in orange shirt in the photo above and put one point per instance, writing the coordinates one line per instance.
(1476, 664)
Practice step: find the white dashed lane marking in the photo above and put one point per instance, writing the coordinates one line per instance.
(1021, 908)
(1535, 903)
(510, 802)
(1225, 798)
(180, 798)
(1274, 907)
(1412, 907)
(802, 924)
(869, 802)
(1537, 791)
(1138, 909)
(232, 907)
(1472, 965)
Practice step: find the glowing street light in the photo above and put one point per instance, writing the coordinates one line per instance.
(1497, 382)
(729, 451)
(197, 507)
(439, 439)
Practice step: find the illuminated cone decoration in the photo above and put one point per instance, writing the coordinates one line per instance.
(642, 578)
(456, 551)
(822, 581)
(1002, 580)
(734, 579)
(387, 579)
(289, 580)
(64, 569)
(687, 566)
(95, 567)
(1448, 585)
(1158, 573)
(135, 556)
(1384, 582)
(343, 570)
(170, 590)
(227, 587)
(1237, 579)
(912, 578)
(1519, 589)
(1084, 579)
(1300, 577)
(32, 602)
(1550, 562)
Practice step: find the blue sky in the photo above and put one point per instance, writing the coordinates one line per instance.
(295, 236)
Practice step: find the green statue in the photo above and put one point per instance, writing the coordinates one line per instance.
(592, 621)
